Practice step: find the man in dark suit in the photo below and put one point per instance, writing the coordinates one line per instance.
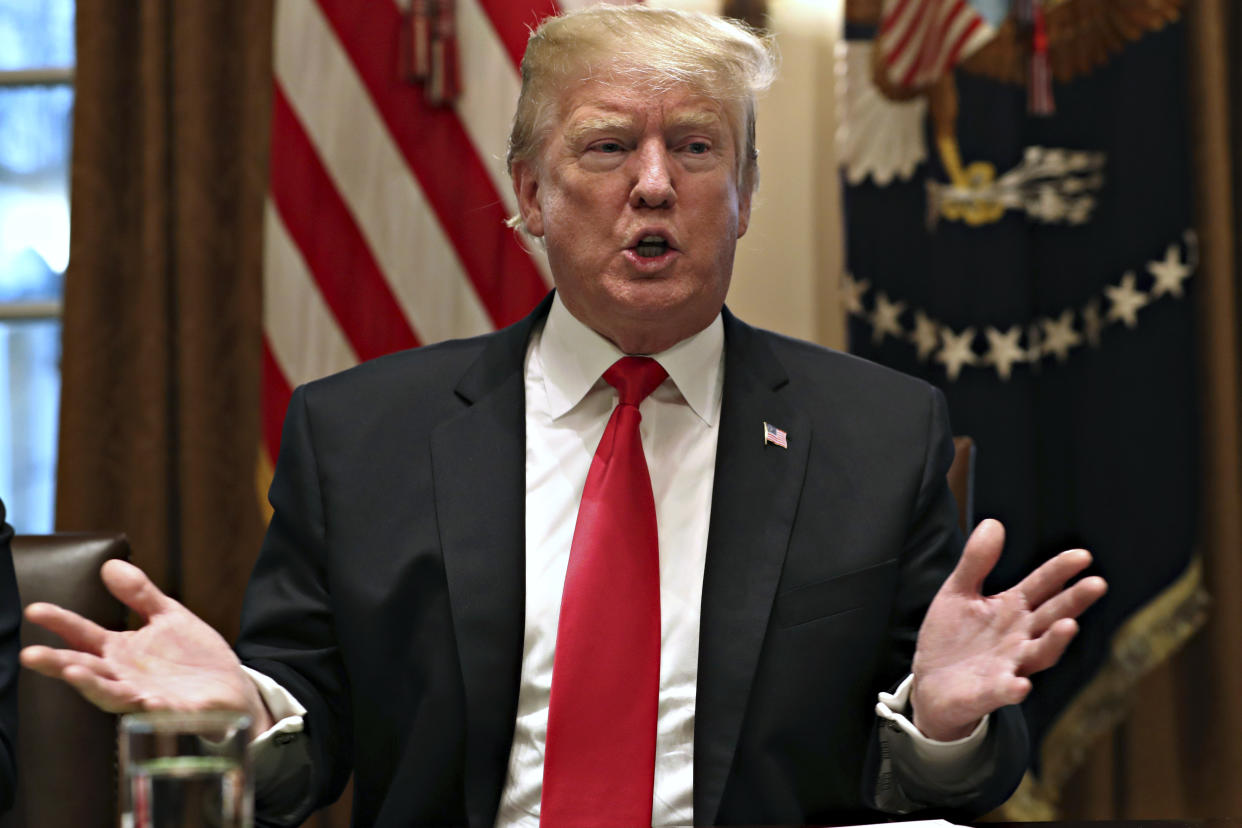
(406, 619)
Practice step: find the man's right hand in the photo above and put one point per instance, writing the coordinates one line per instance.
(174, 661)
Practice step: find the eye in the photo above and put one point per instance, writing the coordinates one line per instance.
(608, 147)
(698, 147)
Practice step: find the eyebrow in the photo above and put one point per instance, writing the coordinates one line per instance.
(695, 119)
(578, 130)
(689, 119)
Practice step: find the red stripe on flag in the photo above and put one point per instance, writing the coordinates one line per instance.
(915, 22)
(934, 45)
(444, 160)
(513, 22)
(890, 19)
(275, 395)
(927, 42)
(942, 53)
(320, 224)
(961, 41)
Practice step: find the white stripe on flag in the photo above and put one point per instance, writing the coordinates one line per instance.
(955, 30)
(306, 340)
(917, 48)
(908, 18)
(394, 217)
(913, 49)
(490, 87)
(976, 41)
(935, 54)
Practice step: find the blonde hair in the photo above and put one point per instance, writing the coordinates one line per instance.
(656, 48)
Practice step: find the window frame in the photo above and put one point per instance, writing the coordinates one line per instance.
(41, 76)
(37, 310)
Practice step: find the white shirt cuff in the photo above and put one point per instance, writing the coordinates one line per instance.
(285, 709)
(947, 758)
(279, 756)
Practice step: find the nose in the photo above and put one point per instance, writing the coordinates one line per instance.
(653, 176)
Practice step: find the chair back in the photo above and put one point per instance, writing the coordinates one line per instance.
(66, 747)
(962, 481)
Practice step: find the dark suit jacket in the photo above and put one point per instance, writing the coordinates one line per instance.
(389, 594)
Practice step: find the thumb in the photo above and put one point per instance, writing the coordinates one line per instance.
(134, 589)
(983, 550)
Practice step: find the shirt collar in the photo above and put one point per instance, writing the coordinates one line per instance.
(574, 357)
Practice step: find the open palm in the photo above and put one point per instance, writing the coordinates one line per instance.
(975, 652)
(174, 661)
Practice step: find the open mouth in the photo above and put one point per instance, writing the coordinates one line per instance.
(650, 247)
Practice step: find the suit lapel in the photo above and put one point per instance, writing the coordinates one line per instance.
(754, 500)
(478, 461)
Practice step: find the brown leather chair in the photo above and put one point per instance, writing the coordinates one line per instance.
(66, 748)
(962, 481)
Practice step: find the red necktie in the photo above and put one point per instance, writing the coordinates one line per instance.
(599, 766)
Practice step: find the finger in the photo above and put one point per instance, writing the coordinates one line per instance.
(1013, 690)
(53, 662)
(76, 631)
(134, 589)
(1048, 579)
(1046, 650)
(982, 551)
(105, 693)
(1003, 690)
(1069, 603)
(87, 674)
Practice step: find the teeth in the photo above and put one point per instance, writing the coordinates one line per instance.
(648, 249)
(651, 246)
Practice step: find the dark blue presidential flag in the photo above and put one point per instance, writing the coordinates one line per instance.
(1019, 234)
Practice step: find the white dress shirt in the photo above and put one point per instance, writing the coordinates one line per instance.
(567, 409)
(568, 405)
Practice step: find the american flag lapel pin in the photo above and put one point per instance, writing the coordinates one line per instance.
(772, 434)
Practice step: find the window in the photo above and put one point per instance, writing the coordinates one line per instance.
(36, 114)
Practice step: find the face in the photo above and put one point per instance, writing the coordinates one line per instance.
(636, 197)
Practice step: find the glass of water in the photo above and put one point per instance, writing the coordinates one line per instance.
(185, 770)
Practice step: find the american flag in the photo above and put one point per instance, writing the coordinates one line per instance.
(919, 40)
(772, 434)
(385, 216)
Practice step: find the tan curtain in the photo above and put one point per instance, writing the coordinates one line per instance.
(162, 330)
(159, 408)
(1180, 752)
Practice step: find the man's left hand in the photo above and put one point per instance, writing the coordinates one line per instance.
(975, 652)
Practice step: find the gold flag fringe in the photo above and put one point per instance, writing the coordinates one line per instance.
(1148, 637)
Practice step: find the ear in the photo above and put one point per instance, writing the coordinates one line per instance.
(526, 188)
(743, 210)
